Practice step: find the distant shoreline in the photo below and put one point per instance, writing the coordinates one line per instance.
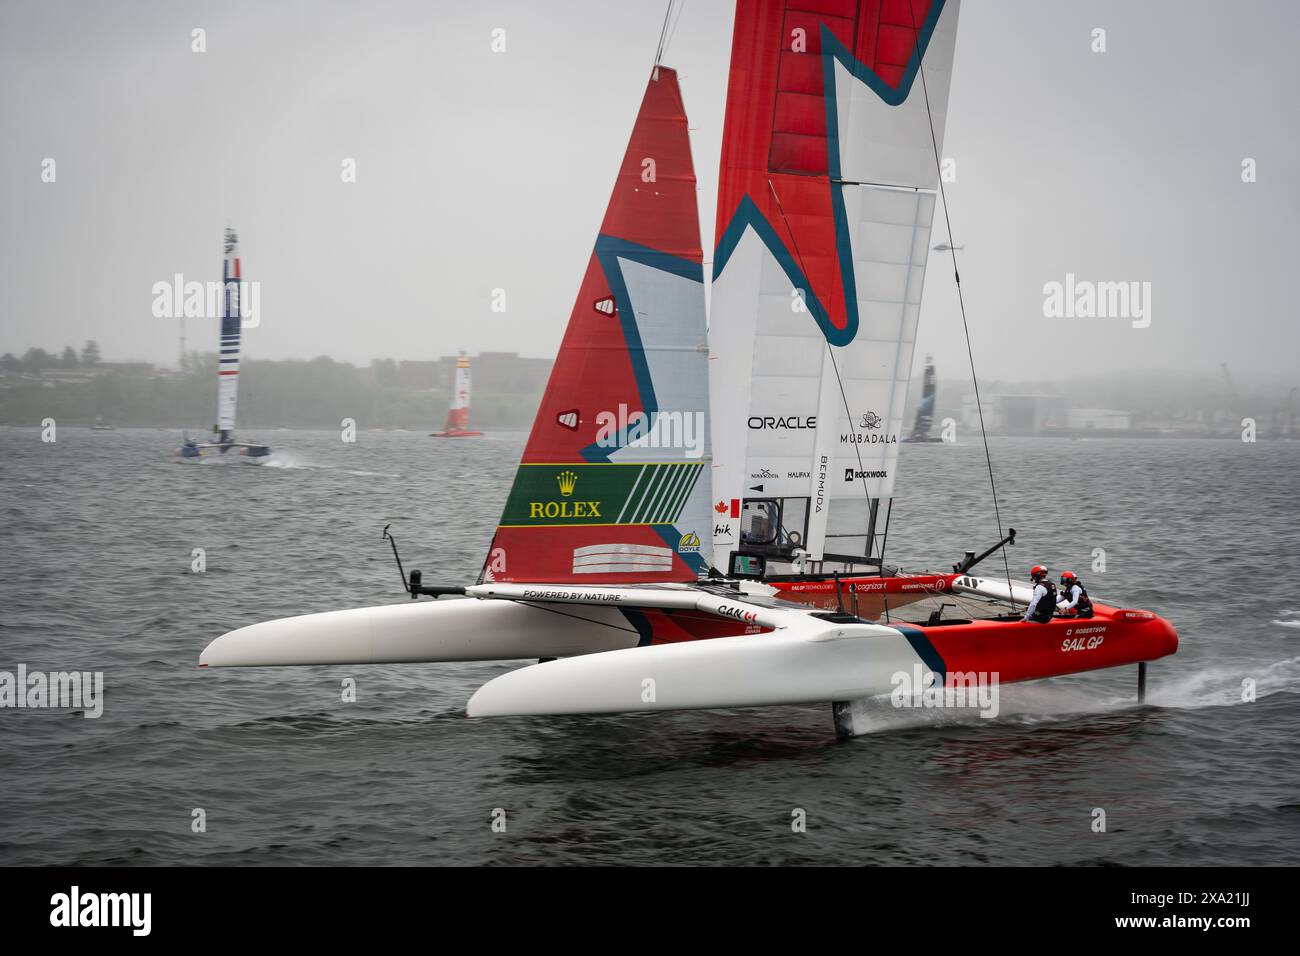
(249, 430)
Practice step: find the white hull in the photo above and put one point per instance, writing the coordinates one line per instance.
(750, 671)
(599, 666)
(423, 632)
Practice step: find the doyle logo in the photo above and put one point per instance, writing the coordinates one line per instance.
(605, 305)
(763, 422)
(74, 909)
(568, 418)
(567, 481)
(852, 474)
(690, 543)
(870, 420)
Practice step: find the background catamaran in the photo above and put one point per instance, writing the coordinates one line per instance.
(227, 373)
(601, 559)
(925, 410)
(458, 414)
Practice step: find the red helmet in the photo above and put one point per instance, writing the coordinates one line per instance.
(1038, 571)
(1069, 576)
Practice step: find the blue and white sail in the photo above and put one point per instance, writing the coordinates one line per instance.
(228, 358)
(223, 429)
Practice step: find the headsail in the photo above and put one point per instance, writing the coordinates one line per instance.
(825, 200)
(614, 481)
(228, 357)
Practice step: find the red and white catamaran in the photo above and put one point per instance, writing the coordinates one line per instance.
(699, 514)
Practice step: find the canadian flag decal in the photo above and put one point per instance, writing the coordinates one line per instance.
(605, 306)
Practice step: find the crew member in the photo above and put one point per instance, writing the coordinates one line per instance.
(1043, 605)
(1076, 598)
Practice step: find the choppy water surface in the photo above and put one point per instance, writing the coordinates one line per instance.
(95, 554)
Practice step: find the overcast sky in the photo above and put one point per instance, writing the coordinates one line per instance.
(479, 170)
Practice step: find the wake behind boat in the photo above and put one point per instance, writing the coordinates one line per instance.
(600, 567)
(224, 442)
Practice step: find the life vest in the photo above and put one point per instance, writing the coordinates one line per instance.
(1084, 607)
(1046, 605)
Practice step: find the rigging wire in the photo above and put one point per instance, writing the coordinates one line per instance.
(838, 379)
(676, 20)
(663, 33)
(952, 248)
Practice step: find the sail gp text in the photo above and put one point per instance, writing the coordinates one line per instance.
(1083, 638)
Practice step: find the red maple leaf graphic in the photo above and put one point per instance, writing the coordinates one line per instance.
(720, 507)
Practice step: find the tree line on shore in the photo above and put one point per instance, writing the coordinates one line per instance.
(314, 393)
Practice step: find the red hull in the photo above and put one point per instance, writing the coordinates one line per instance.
(1013, 650)
(456, 434)
(1018, 650)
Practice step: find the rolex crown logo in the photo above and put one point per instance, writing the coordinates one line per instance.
(568, 481)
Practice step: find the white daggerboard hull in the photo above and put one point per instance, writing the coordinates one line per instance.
(422, 632)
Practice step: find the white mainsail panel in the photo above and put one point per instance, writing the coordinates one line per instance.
(820, 264)
(884, 133)
(460, 397)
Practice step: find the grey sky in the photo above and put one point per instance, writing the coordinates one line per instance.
(479, 170)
